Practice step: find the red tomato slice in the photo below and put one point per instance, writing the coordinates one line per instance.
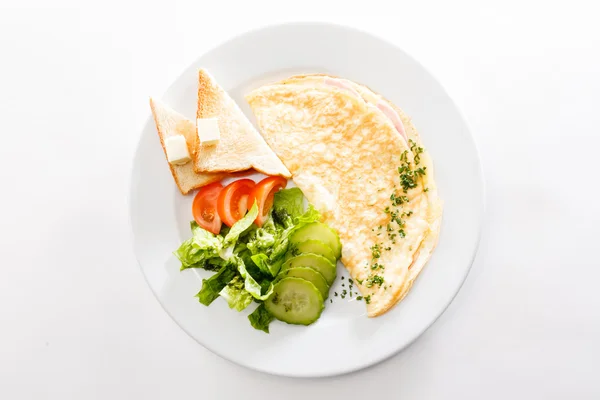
(233, 201)
(204, 207)
(263, 194)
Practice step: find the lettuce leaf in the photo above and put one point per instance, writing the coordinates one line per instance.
(204, 239)
(309, 216)
(241, 226)
(210, 264)
(287, 203)
(266, 265)
(281, 244)
(212, 286)
(189, 256)
(197, 251)
(262, 240)
(262, 262)
(267, 246)
(260, 318)
(251, 283)
(237, 297)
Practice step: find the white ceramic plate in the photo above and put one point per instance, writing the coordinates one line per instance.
(343, 339)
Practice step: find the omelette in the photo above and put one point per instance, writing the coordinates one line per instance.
(360, 161)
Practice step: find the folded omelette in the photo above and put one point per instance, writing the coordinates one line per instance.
(360, 161)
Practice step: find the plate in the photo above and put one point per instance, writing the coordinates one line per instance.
(343, 339)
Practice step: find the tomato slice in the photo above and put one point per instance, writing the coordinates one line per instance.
(204, 207)
(233, 201)
(263, 194)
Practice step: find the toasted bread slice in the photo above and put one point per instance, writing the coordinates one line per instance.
(241, 147)
(169, 123)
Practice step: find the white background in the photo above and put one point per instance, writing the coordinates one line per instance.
(77, 320)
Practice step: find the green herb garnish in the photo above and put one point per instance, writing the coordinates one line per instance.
(417, 151)
(375, 280)
(376, 251)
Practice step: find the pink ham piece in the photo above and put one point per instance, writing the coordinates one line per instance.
(383, 106)
(393, 115)
(338, 83)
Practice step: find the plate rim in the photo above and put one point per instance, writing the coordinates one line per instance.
(341, 370)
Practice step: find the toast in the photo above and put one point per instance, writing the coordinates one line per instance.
(241, 147)
(169, 123)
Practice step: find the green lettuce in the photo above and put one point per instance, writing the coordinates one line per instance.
(262, 240)
(201, 250)
(212, 286)
(260, 318)
(213, 264)
(266, 265)
(288, 203)
(309, 216)
(241, 226)
(267, 248)
(252, 284)
(204, 239)
(237, 297)
(189, 256)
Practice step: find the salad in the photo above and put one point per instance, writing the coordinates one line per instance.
(264, 248)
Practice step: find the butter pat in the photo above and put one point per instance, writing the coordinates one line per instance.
(177, 150)
(208, 131)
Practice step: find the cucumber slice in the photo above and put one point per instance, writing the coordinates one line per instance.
(320, 232)
(316, 262)
(307, 274)
(295, 301)
(312, 246)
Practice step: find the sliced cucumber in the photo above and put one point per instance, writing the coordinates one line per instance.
(295, 301)
(316, 262)
(320, 232)
(311, 246)
(308, 274)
